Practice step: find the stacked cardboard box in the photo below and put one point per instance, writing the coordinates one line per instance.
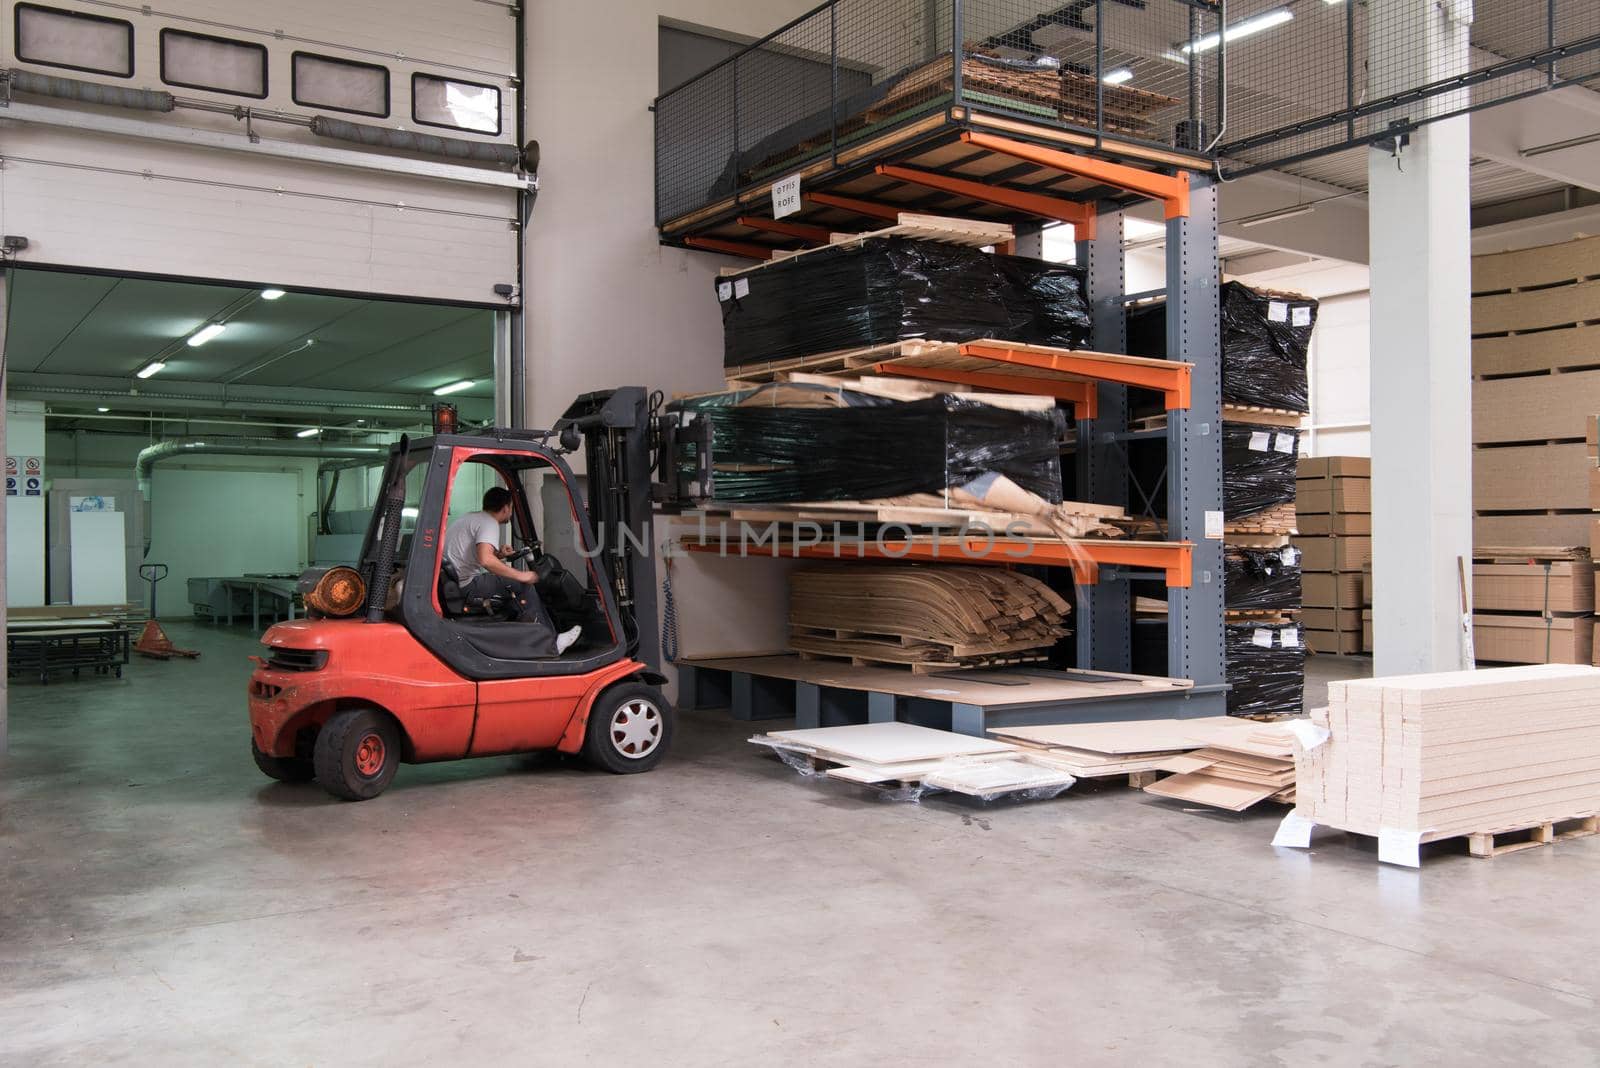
(1333, 509)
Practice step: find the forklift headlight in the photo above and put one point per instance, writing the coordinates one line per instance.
(339, 592)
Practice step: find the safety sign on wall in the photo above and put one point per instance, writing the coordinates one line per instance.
(25, 476)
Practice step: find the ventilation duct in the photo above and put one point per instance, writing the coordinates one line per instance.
(166, 450)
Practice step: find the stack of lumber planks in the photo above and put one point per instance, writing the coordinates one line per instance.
(1418, 758)
(905, 755)
(1333, 503)
(1236, 770)
(933, 617)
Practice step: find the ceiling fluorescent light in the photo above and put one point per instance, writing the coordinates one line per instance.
(1277, 216)
(271, 294)
(151, 368)
(454, 387)
(204, 334)
(1243, 28)
(308, 432)
(1118, 76)
(102, 409)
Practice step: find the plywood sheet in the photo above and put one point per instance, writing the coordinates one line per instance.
(1536, 309)
(1541, 265)
(1534, 408)
(889, 743)
(1526, 477)
(99, 567)
(1569, 529)
(1203, 789)
(1131, 736)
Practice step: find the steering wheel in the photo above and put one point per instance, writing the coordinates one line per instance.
(516, 558)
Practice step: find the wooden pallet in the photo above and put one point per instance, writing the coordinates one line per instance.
(1279, 519)
(1489, 843)
(1235, 413)
(1523, 554)
(970, 233)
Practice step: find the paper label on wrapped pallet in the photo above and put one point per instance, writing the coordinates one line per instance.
(1302, 315)
(1400, 847)
(1214, 526)
(1260, 441)
(786, 196)
(1289, 637)
(1277, 311)
(724, 291)
(1262, 637)
(1290, 555)
(741, 288)
(1283, 443)
(1308, 734)
(1295, 831)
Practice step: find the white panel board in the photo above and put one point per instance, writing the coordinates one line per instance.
(99, 567)
(121, 204)
(222, 523)
(25, 554)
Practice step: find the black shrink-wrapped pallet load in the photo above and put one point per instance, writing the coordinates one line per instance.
(1265, 337)
(882, 290)
(878, 448)
(1258, 468)
(1260, 579)
(1265, 669)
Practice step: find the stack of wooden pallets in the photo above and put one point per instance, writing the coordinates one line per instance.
(1417, 758)
(934, 617)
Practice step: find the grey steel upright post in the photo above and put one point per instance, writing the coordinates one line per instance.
(1104, 623)
(1195, 647)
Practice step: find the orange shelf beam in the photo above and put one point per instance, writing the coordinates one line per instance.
(1171, 190)
(819, 234)
(730, 248)
(1085, 557)
(871, 209)
(1083, 396)
(1081, 216)
(1173, 380)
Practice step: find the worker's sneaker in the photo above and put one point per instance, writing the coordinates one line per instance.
(567, 638)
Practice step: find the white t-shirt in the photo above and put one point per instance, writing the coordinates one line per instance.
(461, 541)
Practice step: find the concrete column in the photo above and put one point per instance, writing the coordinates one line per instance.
(1421, 346)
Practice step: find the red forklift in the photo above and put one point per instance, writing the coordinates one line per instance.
(393, 664)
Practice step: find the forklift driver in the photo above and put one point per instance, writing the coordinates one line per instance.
(471, 544)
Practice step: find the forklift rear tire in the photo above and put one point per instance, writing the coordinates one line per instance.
(284, 769)
(630, 728)
(358, 752)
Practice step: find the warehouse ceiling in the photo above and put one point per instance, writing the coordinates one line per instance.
(79, 342)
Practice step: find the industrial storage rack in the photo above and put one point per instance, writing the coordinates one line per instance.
(981, 156)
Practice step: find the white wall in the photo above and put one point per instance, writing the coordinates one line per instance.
(25, 544)
(220, 523)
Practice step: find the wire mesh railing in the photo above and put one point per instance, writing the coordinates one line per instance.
(1339, 74)
(1147, 71)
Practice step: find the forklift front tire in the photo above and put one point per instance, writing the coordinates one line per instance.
(630, 728)
(284, 769)
(358, 752)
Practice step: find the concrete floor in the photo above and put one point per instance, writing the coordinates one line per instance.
(161, 902)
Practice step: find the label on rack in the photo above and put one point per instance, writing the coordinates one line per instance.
(1302, 315)
(1262, 637)
(1260, 441)
(786, 196)
(724, 291)
(1277, 311)
(741, 288)
(1214, 526)
(1289, 637)
(1283, 443)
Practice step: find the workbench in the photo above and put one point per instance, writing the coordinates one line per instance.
(827, 693)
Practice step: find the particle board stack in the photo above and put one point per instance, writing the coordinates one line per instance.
(1592, 441)
(1533, 605)
(1533, 362)
(932, 617)
(1424, 757)
(1334, 507)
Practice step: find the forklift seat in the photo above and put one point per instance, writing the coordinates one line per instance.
(455, 602)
